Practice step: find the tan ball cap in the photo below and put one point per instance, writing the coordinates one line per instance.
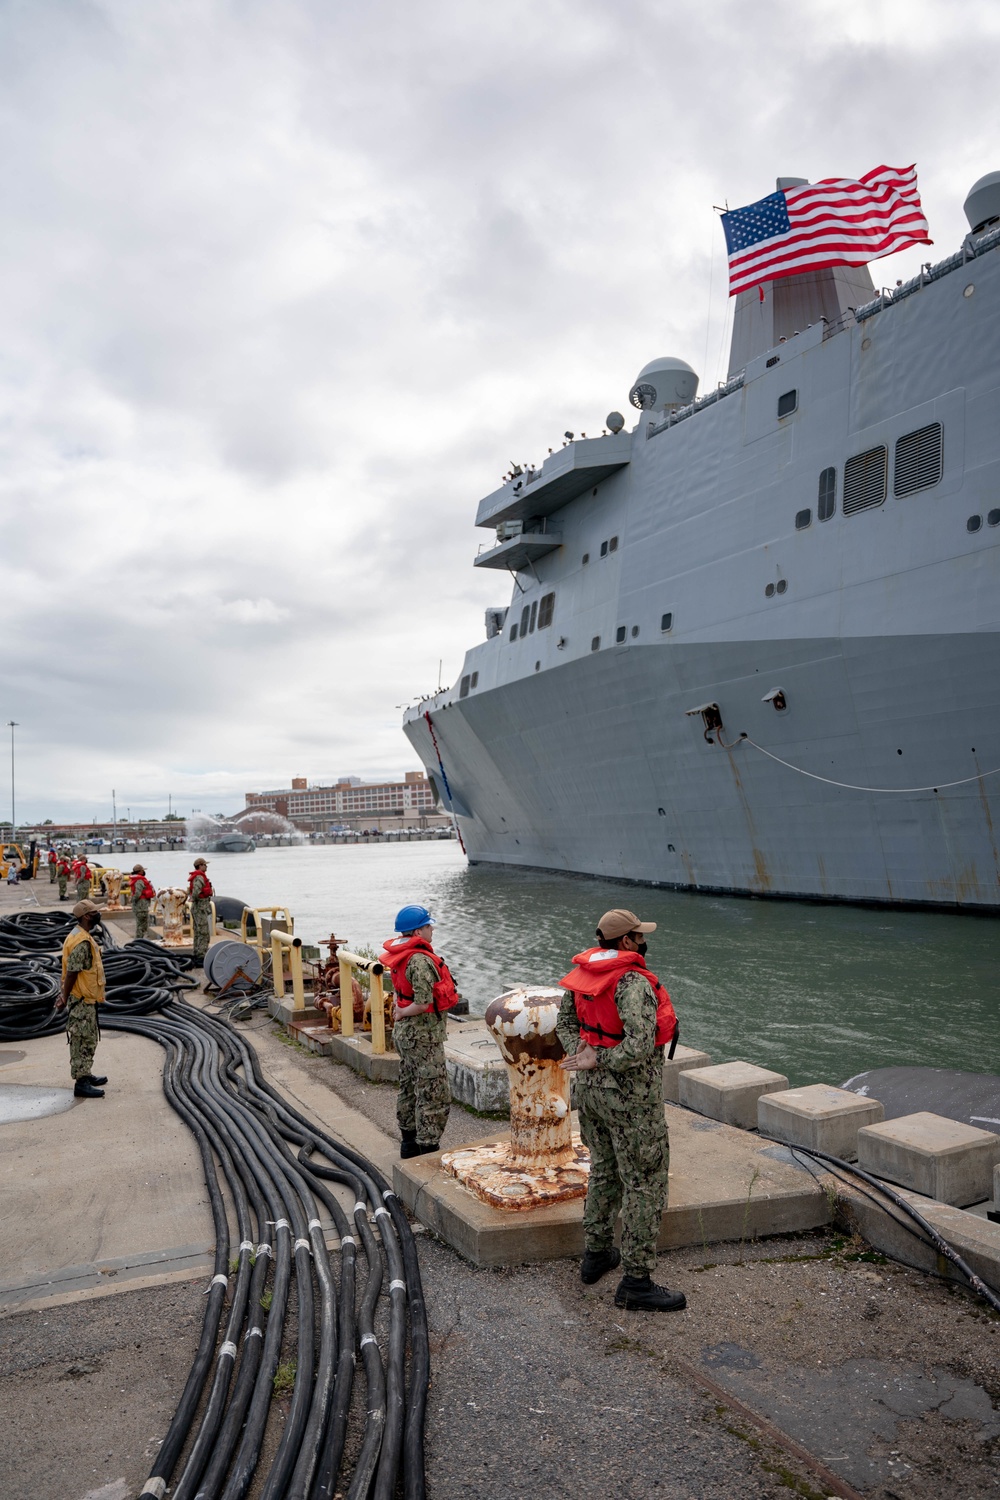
(138, 870)
(84, 908)
(615, 924)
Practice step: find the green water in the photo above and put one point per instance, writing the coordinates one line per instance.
(818, 993)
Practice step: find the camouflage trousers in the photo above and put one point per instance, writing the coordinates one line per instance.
(83, 1035)
(201, 927)
(629, 1161)
(141, 909)
(52, 874)
(63, 883)
(424, 1101)
(83, 890)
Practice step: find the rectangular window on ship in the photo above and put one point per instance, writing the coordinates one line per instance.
(546, 609)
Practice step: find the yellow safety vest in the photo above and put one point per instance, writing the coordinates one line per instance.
(88, 984)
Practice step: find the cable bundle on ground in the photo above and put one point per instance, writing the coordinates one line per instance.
(278, 1168)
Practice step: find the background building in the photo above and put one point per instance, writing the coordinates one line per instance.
(354, 803)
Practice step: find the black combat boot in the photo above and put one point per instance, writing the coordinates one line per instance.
(409, 1145)
(424, 1149)
(597, 1263)
(638, 1294)
(95, 1080)
(84, 1089)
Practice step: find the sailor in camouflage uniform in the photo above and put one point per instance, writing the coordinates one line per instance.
(62, 875)
(614, 1021)
(82, 991)
(424, 990)
(84, 877)
(200, 893)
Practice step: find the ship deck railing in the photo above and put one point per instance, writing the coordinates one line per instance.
(971, 249)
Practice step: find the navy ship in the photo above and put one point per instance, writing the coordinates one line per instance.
(752, 644)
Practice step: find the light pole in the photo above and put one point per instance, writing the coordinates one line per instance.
(12, 724)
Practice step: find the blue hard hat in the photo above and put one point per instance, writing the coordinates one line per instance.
(409, 918)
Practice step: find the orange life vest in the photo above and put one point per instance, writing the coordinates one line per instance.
(142, 890)
(207, 893)
(399, 951)
(593, 982)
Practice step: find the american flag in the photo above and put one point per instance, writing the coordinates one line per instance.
(836, 222)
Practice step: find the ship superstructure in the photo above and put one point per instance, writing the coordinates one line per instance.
(752, 643)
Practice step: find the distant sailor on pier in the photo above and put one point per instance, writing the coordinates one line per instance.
(83, 990)
(200, 893)
(62, 875)
(424, 990)
(614, 1022)
(53, 862)
(84, 878)
(143, 892)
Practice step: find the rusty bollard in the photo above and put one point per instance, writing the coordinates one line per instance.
(544, 1161)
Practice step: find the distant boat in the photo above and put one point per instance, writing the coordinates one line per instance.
(213, 836)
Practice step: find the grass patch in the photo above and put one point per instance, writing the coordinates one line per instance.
(265, 1300)
(284, 1378)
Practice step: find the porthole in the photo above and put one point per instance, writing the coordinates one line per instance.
(613, 544)
(994, 518)
(595, 644)
(826, 502)
(586, 559)
(787, 403)
(667, 621)
(803, 518)
(620, 634)
(635, 631)
(538, 666)
(973, 523)
(604, 549)
(769, 591)
(781, 585)
(969, 290)
(866, 343)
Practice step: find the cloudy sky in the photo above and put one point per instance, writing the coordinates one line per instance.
(286, 286)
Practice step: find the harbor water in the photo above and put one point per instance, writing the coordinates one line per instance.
(818, 993)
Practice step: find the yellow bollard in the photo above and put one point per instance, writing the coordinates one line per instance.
(377, 1002)
(346, 996)
(279, 940)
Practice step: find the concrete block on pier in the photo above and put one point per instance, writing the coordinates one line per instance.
(729, 1091)
(724, 1185)
(284, 1011)
(940, 1158)
(477, 1074)
(683, 1060)
(819, 1117)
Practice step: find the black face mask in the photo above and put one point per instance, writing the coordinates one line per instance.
(641, 948)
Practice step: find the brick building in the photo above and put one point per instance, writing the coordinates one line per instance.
(353, 802)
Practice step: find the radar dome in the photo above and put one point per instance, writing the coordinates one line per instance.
(614, 421)
(663, 385)
(983, 202)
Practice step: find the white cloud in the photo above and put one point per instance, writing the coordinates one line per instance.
(284, 289)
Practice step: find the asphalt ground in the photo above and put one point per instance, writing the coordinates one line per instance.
(885, 1377)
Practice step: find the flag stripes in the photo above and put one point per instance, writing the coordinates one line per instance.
(836, 222)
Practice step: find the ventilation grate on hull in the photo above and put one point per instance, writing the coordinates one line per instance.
(918, 460)
(865, 480)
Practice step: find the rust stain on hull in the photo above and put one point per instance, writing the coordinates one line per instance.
(762, 876)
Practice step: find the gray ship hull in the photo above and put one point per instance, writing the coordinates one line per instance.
(640, 795)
